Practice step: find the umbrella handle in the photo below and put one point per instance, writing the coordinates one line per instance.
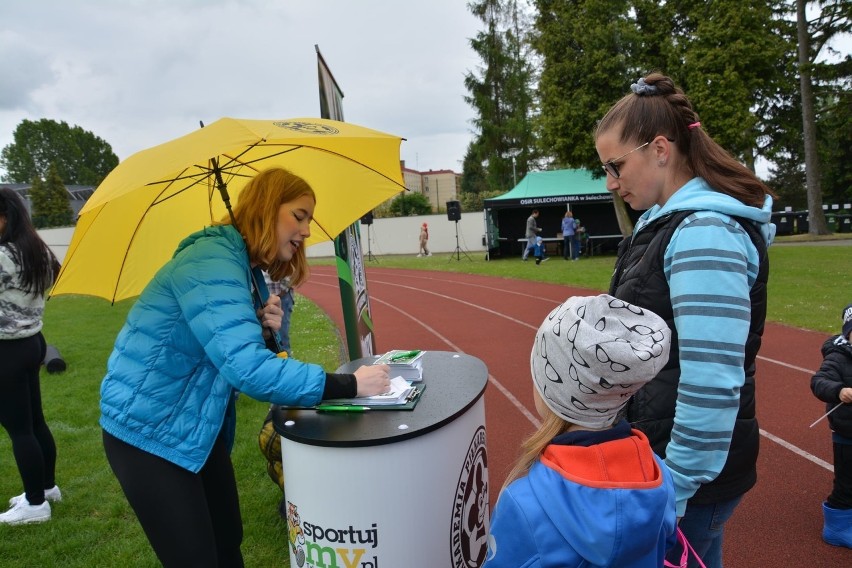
(223, 191)
(256, 293)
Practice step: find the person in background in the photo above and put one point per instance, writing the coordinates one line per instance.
(424, 241)
(193, 339)
(539, 251)
(697, 258)
(588, 490)
(27, 270)
(832, 384)
(570, 240)
(532, 232)
(582, 236)
(283, 290)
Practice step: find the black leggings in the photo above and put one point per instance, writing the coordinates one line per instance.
(190, 519)
(22, 417)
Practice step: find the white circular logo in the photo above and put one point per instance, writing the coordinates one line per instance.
(469, 526)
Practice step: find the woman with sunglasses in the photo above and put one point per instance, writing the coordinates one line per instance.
(697, 257)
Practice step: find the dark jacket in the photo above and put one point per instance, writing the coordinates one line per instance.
(641, 278)
(834, 374)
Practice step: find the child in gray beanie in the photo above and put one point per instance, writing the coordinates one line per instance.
(588, 490)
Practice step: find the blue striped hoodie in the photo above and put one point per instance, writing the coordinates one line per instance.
(710, 265)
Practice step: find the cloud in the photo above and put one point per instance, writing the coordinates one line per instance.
(137, 73)
(23, 69)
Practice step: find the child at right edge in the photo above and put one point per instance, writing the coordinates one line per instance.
(832, 384)
(588, 490)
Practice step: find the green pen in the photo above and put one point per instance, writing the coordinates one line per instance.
(405, 355)
(341, 408)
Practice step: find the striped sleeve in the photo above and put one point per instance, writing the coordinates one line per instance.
(711, 265)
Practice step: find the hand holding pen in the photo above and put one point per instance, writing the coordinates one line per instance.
(372, 379)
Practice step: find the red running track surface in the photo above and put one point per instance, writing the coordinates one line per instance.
(779, 522)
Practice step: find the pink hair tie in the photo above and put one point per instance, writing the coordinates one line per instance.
(694, 125)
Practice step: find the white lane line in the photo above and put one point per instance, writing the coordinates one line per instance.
(797, 450)
(788, 365)
(445, 297)
(491, 378)
(530, 416)
(497, 289)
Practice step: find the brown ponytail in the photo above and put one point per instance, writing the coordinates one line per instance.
(656, 107)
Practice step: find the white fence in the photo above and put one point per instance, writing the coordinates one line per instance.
(397, 235)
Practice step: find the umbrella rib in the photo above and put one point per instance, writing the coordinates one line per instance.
(67, 259)
(327, 151)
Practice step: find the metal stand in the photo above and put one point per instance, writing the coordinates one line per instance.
(370, 256)
(458, 252)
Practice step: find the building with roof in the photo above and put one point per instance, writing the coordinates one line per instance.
(438, 186)
(77, 195)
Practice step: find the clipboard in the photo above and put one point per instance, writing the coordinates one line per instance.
(410, 403)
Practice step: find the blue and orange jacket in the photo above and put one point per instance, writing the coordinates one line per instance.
(593, 499)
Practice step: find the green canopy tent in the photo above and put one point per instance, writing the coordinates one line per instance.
(552, 192)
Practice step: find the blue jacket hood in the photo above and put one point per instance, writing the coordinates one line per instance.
(697, 195)
(563, 514)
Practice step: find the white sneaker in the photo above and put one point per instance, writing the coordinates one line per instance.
(419, 255)
(52, 494)
(23, 513)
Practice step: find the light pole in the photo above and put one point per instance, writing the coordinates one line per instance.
(513, 153)
(437, 197)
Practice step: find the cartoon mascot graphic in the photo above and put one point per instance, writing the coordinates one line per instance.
(295, 533)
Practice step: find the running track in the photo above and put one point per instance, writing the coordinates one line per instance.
(779, 522)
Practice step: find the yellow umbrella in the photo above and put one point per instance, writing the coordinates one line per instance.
(133, 222)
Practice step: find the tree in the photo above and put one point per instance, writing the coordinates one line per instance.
(473, 172)
(80, 157)
(50, 203)
(586, 67)
(501, 92)
(585, 47)
(834, 130)
(476, 201)
(834, 18)
(408, 203)
(732, 68)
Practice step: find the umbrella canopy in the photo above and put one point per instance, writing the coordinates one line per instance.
(133, 222)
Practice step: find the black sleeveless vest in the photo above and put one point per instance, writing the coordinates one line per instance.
(639, 279)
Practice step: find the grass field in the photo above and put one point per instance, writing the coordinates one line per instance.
(94, 526)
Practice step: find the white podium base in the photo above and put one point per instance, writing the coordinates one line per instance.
(421, 502)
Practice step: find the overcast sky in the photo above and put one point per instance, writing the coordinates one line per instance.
(139, 72)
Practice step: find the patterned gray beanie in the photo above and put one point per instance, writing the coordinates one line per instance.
(592, 353)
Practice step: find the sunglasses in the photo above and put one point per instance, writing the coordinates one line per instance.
(610, 167)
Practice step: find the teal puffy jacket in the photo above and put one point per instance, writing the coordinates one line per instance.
(190, 342)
